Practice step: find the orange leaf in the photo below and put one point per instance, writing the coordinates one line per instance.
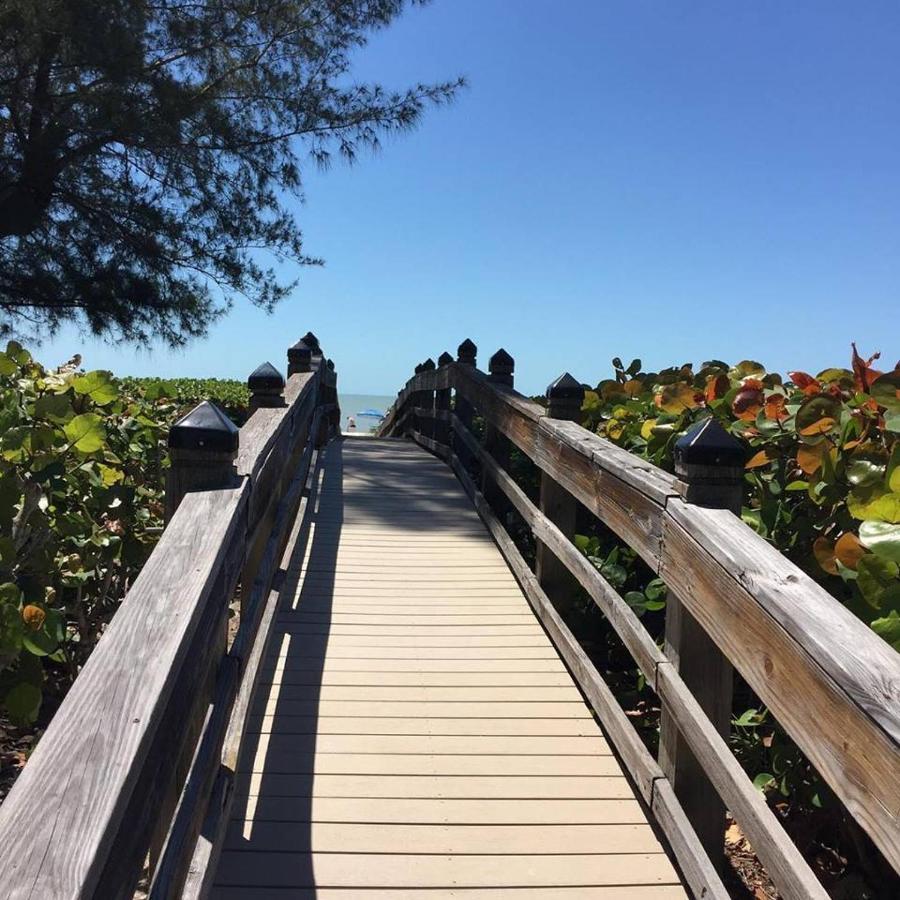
(34, 617)
(823, 550)
(717, 386)
(809, 456)
(633, 387)
(863, 374)
(747, 403)
(806, 383)
(775, 407)
(822, 426)
(760, 459)
(849, 550)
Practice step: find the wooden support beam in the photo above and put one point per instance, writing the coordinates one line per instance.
(502, 371)
(709, 463)
(466, 355)
(442, 431)
(564, 399)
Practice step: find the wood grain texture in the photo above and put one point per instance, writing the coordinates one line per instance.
(832, 684)
(419, 691)
(116, 713)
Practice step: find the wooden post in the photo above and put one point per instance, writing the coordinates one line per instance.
(266, 385)
(709, 463)
(564, 400)
(203, 446)
(299, 358)
(442, 431)
(501, 368)
(335, 416)
(426, 400)
(465, 356)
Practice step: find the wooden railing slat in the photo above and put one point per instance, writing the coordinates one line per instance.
(79, 783)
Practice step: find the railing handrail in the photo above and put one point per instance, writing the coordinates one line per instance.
(830, 681)
(80, 818)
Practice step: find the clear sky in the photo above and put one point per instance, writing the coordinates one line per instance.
(670, 179)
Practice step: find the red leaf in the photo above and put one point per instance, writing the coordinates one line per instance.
(862, 371)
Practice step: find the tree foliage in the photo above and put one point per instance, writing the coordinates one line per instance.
(148, 148)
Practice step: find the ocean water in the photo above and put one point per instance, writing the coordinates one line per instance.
(352, 404)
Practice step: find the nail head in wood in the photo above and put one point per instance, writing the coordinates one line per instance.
(564, 398)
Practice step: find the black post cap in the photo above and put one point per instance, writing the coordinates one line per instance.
(467, 351)
(205, 427)
(707, 443)
(445, 359)
(300, 355)
(565, 388)
(417, 369)
(428, 365)
(330, 364)
(266, 379)
(311, 341)
(501, 361)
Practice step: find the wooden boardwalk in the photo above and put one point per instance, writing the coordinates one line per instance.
(416, 734)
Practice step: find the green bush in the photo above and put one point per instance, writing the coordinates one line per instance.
(232, 396)
(822, 479)
(81, 490)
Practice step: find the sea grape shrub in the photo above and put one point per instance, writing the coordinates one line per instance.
(822, 480)
(81, 490)
(231, 396)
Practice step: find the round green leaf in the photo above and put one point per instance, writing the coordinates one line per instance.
(23, 703)
(882, 538)
(86, 433)
(877, 579)
(885, 390)
(874, 503)
(98, 385)
(888, 628)
(54, 407)
(822, 406)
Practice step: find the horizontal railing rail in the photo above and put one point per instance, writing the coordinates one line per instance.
(138, 753)
(832, 684)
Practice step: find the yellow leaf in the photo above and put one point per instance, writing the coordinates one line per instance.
(647, 430)
(675, 398)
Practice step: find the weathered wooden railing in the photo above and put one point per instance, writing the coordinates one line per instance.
(733, 600)
(140, 758)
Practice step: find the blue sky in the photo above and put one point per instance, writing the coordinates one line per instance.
(658, 178)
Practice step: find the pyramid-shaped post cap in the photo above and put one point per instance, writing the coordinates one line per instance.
(445, 359)
(266, 379)
(418, 368)
(205, 427)
(330, 364)
(707, 443)
(565, 388)
(428, 365)
(311, 341)
(501, 361)
(300, 350)
(467, 350)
